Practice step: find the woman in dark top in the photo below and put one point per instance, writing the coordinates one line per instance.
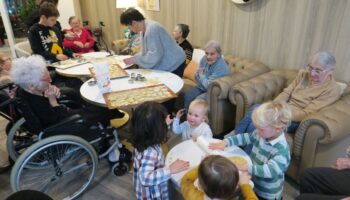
(180, 34)
(34, 80)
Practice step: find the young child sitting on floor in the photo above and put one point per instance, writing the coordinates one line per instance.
(270, 154)
(218, 178)
(149, 130)
(195, 125)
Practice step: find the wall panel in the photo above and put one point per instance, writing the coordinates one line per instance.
(280, 33)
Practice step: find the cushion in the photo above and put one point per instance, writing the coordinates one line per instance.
(197, 55)
(119, 45)
(342, 87)
(190, 70)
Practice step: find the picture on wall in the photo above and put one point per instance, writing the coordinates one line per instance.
(152, 5)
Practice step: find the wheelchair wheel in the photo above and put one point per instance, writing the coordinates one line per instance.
(119, 169)
(66, 166)
(19, 139)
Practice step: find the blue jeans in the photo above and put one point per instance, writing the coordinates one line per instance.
(192, 94)
(246, 125)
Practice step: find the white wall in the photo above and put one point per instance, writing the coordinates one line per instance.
(66, 9)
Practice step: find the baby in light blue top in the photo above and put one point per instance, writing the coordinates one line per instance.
(196, 124)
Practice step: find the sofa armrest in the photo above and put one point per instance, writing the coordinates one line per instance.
(346, 91)
(256, 90)
(221, 86)
(333, 120)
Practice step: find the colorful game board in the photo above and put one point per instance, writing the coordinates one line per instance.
(68, 63)
(137, 96)
(113, 60)
(115, 71)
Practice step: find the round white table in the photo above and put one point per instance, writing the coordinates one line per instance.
(92, 94)
(83, 69)
(190, 151)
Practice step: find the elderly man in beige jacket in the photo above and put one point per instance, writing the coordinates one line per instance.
(313, 89)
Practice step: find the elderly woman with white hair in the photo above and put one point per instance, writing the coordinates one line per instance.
(212, 66)
(34, 81)
(313, 89)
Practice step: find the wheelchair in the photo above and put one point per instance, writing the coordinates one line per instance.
(57, 160)
(7, 109)
(19, 133)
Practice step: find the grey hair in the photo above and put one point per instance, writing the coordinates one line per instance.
(184, 29)
(325, 59)
(213, 44)
(26, 72)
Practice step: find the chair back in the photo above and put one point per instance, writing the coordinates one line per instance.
(23, 49)
(32, 123)
(7, 109)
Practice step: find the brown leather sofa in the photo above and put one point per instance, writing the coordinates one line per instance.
(321, 138)
(221, 110)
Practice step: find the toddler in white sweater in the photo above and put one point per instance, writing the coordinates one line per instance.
(196, 124)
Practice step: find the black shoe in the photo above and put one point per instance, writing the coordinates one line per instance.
(117, 114)
(5, 169)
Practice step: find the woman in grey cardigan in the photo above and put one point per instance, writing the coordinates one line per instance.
(159, 50)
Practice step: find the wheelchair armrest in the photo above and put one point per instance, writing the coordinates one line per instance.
(70, 103)
(69, 120)
(7, 86)
(5, 103)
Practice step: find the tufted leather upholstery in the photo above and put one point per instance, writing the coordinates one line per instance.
(221, 110)
(119, 45)
(321, 137)
(259, 89)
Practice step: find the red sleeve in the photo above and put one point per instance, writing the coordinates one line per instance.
(68, 43)
(89, 39)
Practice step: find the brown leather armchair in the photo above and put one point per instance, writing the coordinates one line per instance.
(321, 137)
(221, 110)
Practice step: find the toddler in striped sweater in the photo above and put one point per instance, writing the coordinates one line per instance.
(270, 154)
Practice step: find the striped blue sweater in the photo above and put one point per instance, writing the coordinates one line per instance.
(270, 162)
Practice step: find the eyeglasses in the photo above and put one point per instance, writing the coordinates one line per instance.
(309, 68)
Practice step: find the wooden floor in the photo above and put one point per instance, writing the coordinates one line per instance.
(105, 186)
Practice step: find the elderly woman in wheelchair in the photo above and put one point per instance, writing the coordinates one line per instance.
(68, 142)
